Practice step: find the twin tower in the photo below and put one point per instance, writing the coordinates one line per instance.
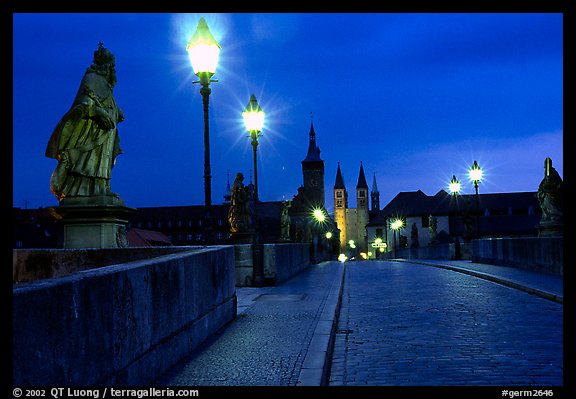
(350, 221)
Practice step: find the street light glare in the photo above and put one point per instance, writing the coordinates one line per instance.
(253, 116)
(203, 50)
(319, 215)
(475, 172)
(397, 224)
(454, 185)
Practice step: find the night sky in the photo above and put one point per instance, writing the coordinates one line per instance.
(415, 97)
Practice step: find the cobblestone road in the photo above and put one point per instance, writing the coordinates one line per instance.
(409, 324)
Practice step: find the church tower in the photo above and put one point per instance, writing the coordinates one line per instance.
(313, 173)
(362, 208)
(340, 205)
(375, 196)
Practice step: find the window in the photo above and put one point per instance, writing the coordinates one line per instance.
(338, 194)
(362, 193)
(220, 222)
(530, 210)
(379, 233)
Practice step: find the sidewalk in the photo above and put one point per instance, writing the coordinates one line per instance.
(281, 336)
(539, 284)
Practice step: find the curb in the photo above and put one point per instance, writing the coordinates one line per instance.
(315, 369)
(490, 277)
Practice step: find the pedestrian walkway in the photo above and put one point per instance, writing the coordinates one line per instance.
(281, 336)
(543, 285)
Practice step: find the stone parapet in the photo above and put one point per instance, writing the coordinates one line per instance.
(123, 324)
(539, 254)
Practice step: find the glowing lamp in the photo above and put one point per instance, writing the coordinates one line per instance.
(203, 51)
(397, 224)
(454, 185)
(253, 116)
(475, 172)
(319, 215)
(328, 235)
(342, 258)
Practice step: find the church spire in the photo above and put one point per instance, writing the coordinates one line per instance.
(375, 195)
(361, 178)
(313, 154)
(339, 184)
(374, 185)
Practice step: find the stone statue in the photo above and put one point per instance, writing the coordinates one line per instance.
(285, 222)
(414, 236)
(432, 229)
(85, 142)
(240, 211)
(550, 195)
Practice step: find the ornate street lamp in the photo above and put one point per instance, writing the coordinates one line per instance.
(475, 176)
(254, 122)
(454, 186)
(203, 51)
(397, 224)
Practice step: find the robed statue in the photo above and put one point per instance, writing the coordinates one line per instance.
(550, 195)
(285, 221)
(240, 211)
(85, 142)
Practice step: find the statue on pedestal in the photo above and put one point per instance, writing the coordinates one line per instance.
(550, 194)
(85, 142)
(240, 211)
(285, 222)
(550, 197)
(432, 229)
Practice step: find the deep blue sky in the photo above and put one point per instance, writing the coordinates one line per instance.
(415, 97)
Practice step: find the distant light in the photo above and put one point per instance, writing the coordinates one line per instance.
(328, 235)
(363, 255)
(203, 50)
(369, 253)
(475, 172)
(351, 242)
(342, 258)
(378, 241)
(319, 215)
(454, 185)
(381, 249)
(397, 224)
(253, 116)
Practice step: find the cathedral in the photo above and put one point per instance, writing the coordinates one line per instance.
(352, 221)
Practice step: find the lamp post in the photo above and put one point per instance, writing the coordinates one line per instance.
(203, 51)
(396, 225)
(254, 122)
(476, 175)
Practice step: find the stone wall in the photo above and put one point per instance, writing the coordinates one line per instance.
(281, 261)
(123, 324)
(540, 254)
(33, 264)
(439, 251)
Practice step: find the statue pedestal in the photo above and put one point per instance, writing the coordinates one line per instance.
(248, 237)
(93, 222)
(550, 229)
